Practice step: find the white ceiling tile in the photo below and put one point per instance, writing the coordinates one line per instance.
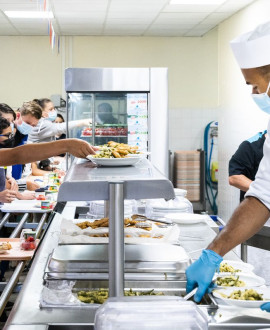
(80, 27)
(77, 21)
(68, 31)
(215, 18)
(8, 31)
(177, 26)
(166, 18)
(233, 6)
(132, 15)
(122, 33)
(83, 15)
(195, 34)
(127, 26)
(165, 33)
(21, 6)
(123, 17)
(133, 20)
(190, 8)
(3, 19)
(198, 31)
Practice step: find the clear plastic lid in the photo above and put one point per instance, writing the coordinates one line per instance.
(97, 208)
(156, 313)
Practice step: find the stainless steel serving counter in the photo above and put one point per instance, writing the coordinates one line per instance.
(27, 314)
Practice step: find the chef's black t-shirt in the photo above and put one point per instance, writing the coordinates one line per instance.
(247, 157)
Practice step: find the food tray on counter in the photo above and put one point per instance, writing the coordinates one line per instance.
(168, 288)
(72, 234)
(15, 253)
(23, 206)
(82, 261)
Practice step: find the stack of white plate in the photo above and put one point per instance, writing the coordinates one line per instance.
(186, 218)
(160, 207)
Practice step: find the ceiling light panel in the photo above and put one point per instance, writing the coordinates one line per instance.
(29, 14)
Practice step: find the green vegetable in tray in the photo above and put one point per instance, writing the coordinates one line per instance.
(230, 281)
(101, 295)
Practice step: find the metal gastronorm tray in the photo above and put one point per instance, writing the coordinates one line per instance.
(158, 258)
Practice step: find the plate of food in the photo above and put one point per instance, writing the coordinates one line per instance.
(116, 154)
(128, 161)
(239, 280)
(232, 266)
(243, 297)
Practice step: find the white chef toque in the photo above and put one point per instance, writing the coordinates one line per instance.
(252, 49)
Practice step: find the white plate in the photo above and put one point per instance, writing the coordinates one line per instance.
(243, 303)
(114, 161)
(249, 279)
(186, 218)
(243, 266)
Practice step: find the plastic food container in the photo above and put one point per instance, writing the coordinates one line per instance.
(28, 239)
(96, 208)
(155, 313)
(45, 205)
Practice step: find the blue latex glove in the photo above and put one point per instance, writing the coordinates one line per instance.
(201, 272)
(265, 307)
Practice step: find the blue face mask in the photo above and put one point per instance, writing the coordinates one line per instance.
(52, 115)
(263, 100)
(24, 128)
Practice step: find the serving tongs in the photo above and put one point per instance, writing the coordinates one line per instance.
(190, 294)
(165, 222)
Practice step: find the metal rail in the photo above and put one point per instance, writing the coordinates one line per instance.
(17, 230)
(21, 265)
(4, 220)
(41, 224)
(10, 285)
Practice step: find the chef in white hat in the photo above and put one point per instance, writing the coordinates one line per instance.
(252, 52)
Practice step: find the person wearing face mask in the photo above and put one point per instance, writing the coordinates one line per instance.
(47, 129)
(252, 53)
(7, 140)
(22, 122)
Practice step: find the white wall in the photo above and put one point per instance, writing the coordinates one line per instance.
(29, 69)
(239, 117)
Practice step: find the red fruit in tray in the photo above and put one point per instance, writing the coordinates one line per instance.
(25, 246)
(30, 239)
(32, 246)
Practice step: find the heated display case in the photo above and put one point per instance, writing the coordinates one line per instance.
(126, 105)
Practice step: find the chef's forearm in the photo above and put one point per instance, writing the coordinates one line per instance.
(240, 181)
(246, 221)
